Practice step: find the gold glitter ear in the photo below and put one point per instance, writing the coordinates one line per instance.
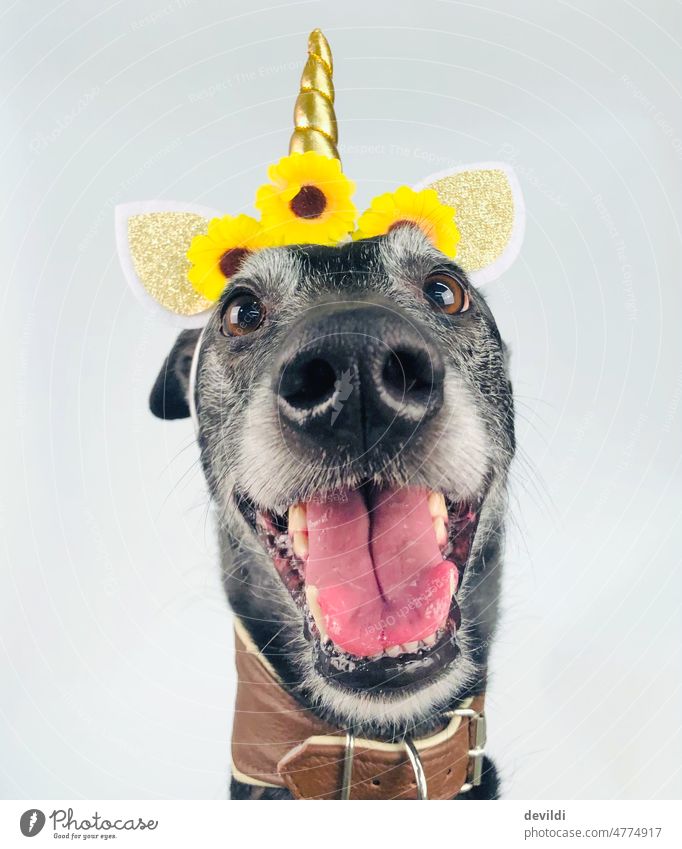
(153, 239)
(489, 214)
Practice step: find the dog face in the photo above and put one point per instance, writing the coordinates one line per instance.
(355, 421)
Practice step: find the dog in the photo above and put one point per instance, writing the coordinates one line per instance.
(428, 423)
(354, 414)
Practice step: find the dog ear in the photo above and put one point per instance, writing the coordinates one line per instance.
(152, 240)
(169, 398)
(489, 213)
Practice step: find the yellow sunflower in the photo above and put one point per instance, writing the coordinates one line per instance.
(421, 209)
(217, 255)
(308, 201)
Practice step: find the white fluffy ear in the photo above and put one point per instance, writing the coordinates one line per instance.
(489, 213)
(153, 238)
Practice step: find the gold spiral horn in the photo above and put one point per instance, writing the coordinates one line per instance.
(314, 116)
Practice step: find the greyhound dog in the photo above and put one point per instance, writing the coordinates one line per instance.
(355, 420)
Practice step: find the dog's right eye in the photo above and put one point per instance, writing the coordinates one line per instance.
(242, 314)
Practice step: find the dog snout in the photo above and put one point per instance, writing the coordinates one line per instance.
(357, 375)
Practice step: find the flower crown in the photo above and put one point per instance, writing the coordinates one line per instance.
(180, 257)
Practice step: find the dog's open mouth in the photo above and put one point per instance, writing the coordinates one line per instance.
(376, 572)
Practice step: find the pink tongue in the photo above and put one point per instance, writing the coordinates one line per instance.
(381, 578)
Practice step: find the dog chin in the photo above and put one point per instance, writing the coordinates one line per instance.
(377, 575)
(372, 710)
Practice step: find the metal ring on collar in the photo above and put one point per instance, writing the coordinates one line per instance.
(348, 753)
(418, 768)
(412, 754)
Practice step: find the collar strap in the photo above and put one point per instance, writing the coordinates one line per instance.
(278, 743)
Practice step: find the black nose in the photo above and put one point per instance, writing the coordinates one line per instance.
(355, 375)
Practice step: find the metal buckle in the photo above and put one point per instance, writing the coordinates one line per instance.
(477, 741)
(412, 754)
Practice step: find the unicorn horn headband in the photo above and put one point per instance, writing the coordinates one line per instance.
(180, 257)
(314, 117)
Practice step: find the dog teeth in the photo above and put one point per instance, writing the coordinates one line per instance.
(311, 594)
(437, 506)
(453, 582)
(298, 520)
(439, 517)
(300, 544)
(298, 530)
(440, 531)
(407, 648)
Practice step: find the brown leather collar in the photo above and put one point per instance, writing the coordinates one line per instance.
(278, 743)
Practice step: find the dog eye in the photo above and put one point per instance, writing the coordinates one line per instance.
(243, 314)
(446, 294)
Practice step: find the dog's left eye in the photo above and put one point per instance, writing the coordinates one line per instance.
(242, 314)
(446, 294)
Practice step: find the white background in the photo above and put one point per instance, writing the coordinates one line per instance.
(116, 675)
